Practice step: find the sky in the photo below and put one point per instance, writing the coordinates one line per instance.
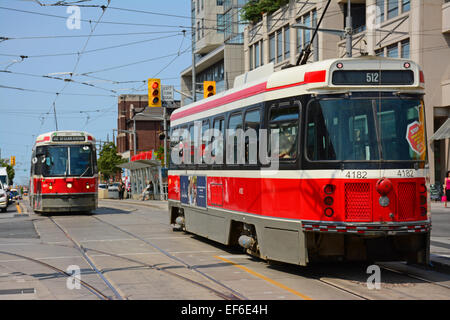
(139, 39)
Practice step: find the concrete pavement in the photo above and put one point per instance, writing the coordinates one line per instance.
(440, 233)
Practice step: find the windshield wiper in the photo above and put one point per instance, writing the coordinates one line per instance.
(85, 171)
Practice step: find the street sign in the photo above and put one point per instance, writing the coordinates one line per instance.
(167, 93)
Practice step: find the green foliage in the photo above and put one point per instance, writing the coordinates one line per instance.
(108, 160)
(253, 10)
(160, 154)
(9, 169)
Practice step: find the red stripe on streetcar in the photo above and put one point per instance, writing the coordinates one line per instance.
(310, 77)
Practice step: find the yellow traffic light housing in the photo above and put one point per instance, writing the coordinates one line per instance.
(154, 93)
(209, 88)
(13, 161)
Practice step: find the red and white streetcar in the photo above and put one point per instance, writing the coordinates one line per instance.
(64, 172)
(350, 181)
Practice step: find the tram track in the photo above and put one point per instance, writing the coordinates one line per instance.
(86, 285)
(91, 263)
(233, 295)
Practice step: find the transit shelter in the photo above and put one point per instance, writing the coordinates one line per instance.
(144, 168)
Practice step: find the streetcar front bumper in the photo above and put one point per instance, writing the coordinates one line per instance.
(69, 203)
(376, 229)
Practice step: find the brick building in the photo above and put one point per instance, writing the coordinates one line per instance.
(134, 115)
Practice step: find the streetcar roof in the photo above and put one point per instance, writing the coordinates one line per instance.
(266, 84)
(48, 137)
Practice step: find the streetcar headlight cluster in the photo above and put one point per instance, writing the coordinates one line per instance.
(328, 200)
(50, 187)
(87, 185)
(423, 200)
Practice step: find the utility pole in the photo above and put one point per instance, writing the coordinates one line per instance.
(194, 93)
(348, 31)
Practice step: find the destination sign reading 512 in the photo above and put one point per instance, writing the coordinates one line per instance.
(373, 77)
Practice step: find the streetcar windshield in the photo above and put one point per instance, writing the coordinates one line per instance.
(64, 161)
(364, 129)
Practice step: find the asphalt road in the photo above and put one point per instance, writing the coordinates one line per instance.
(139, 256)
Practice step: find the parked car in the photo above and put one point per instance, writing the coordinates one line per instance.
(113, 190)
(3, 198)
(102, 186)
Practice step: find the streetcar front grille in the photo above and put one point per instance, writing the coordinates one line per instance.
(406, 200)
(358, 202)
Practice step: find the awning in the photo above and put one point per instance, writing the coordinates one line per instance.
(139, 164)
(443, 132)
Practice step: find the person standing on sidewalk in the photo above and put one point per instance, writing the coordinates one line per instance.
(447, 187)
(121, 190)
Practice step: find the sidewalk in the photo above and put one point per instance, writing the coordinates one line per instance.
(159, 204)
(440, 234)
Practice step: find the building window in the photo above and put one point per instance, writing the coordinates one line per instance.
(405, 48)
(380, 11)
(379, 52)
(287, 43)
(307, 22)
(406, 5)
(272, 47)
(219, 2)
(203, 27)
(279, 45)
(251, 57)
(392, 6)
(198, 30)
(220, 24)
(299, 37)
(392, 51)
(257, 51)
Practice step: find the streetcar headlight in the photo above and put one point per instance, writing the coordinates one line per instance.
(329, 189)
(69, 185)
(384, 201)
(50, 186)
(328, 212)
(328, 201)
(87, 186)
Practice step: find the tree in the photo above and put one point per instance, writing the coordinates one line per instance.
(108, 160)
(253, 10)
(9, 169)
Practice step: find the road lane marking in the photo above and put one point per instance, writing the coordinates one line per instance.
(276, 283)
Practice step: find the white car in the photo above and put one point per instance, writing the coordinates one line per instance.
(3, 198)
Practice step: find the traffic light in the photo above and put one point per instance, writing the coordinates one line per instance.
(209, 88)
(154, 93)
(13, 161)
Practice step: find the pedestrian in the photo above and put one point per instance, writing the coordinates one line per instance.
(447, 187)
(121, 190)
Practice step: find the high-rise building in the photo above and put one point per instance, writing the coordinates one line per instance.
(217, 39)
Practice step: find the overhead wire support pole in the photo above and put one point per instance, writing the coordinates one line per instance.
(348, 31)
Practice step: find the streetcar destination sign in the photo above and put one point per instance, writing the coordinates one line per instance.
(373, 77)
(68, 138)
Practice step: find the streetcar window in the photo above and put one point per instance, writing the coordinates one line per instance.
(217, 143)
(402, 129)
(80, 161)
(283, 121)
(349, 129)
(234, 143)
(253, 122)
(341, 129)
(205, 142)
